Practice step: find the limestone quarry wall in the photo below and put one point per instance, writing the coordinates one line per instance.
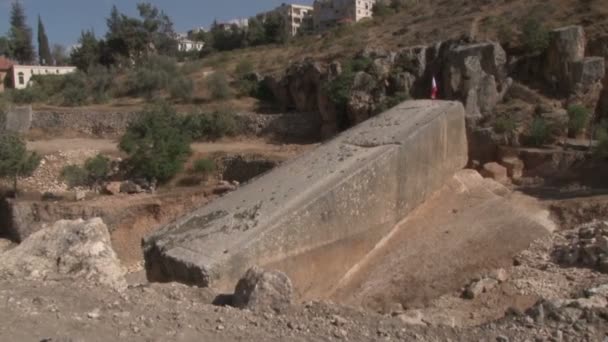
(316, 216)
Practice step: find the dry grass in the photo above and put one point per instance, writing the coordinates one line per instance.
(423, 23)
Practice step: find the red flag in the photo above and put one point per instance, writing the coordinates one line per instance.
(434, 89)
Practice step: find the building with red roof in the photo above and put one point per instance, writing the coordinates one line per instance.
(5, 68)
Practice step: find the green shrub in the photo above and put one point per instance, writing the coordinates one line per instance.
(246, 87)
(535, 36)
(100, 82)
(27, 96)
(218, 86)
(151, 76)
(244, 68)
(74, 92)
(540, 132)
(74, 175)
(504, 125)
(15, 160)
(358, 64)
(263, 92)
(339, 89)
(210, 126)
(97, 169)
(155, 144)
(181, 88)
(203, 166)
(578, 117)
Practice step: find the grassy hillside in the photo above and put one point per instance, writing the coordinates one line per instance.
(427, 22)
(423, 22)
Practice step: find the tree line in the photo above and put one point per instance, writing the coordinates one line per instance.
(17, 44)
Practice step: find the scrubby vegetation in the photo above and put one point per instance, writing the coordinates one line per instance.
(218, 86)
(505, 125)
(158, 74)
(74, 175)
(155, 144)
(203, 166)
(540, 132)
(94, 171)
(210, 126)
(535, 37)
(578, 118)
(15, 160)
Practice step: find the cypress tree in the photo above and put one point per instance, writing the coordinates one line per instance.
(20, 35)
(44, 50)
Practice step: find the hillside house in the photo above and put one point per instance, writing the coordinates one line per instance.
(187, 45)
(330, 13)
(5, 69)
(298, 18)
(21, 75)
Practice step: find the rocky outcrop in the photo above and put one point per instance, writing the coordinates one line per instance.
(568, 72)
(77, 250)
(474, 74)
(259, 290)
(587, 245)
(566, 46)
(599, 47)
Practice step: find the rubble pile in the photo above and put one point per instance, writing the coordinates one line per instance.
(587, 245)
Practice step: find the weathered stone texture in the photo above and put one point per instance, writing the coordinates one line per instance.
(259, 290)
(352, 189)
(69, 249)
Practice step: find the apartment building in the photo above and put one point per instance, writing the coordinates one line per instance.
(330, 13)
(298, 18)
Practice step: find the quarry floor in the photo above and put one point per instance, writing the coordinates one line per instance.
(423, 265)
(66, 311)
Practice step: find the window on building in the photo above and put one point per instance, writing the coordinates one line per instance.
(57, 70)
(21, 78)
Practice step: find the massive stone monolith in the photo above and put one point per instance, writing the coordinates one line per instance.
(316, 216)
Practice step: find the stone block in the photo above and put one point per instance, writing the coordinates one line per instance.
(495, 171)
(350, 190)
(514, 166)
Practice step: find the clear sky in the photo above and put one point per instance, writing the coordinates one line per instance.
(65, 19)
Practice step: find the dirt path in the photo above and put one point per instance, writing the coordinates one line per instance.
(111, 146)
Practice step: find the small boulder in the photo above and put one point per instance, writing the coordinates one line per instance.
(129, 187)
(259, 290)
(80, 195)
(68, 250)
(500, 275)
(112, 188)
(514, 166)
(412, 317)
(476, 288)
(495, 171)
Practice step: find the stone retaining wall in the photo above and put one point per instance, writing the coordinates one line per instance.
(296, 126)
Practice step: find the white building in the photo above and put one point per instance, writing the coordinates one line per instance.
(187, 45)
(22, 74)
(298, 18)
(242, 23)
(330, 13)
